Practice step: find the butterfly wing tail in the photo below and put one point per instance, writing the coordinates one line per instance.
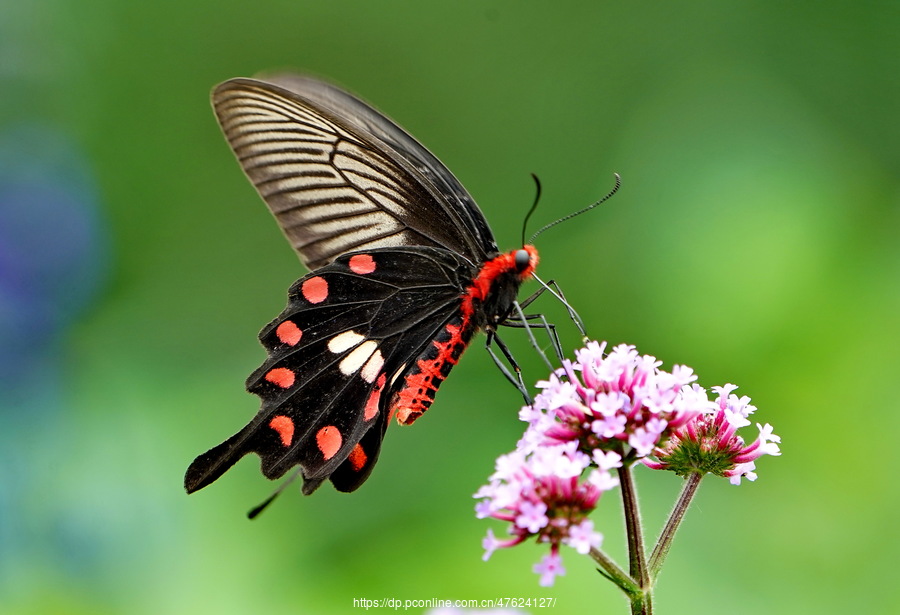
(209, 466)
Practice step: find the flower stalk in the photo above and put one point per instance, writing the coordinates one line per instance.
(641, 601)
(637, 565)
(661, 550)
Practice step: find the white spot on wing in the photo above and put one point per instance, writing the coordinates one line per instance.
(372, 367)
(345, 341)
(353, 361)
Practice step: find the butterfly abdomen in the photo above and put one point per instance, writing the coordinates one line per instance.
(430, 370)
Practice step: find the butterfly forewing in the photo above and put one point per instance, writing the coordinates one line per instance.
(456, 203)
(334, 187)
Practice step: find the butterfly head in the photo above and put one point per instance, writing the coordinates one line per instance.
(524, 261)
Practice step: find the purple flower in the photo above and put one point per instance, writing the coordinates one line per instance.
(602, 480)
(607, 460)
(540, 491)
(549, 568)
(621, 402)
(591, 416)
(531, 516)
(709, 443)
(489, 544)
(583, 538)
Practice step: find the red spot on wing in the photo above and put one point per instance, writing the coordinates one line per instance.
(289, 333)
(362, 264)
(329, 441)
(285, 428)
(374, 397)
(357, 458)
(281, 376)
(315, 290)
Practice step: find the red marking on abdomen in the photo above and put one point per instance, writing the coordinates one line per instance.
(284, 426)
(374, 398)
(329, 441)
(281, 376)
(357, 458)
(430, 371)
(289, 333)
(362, 264)
(315, 290)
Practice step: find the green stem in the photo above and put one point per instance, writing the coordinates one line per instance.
(614, 573)
(641, 603)
(668, 534)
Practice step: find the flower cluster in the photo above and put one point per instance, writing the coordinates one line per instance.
(710, 444)
(621, 402)
(596, 414)
(541, 493)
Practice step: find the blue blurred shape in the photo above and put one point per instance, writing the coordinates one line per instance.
(53, 247)
(53, 251)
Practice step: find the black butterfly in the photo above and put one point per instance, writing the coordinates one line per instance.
(405, 271)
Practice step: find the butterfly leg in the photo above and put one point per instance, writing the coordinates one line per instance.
(553, 288)
(516, 379)
(550, 328)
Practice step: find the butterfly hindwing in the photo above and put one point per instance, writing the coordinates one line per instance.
(338, 359)
(354, 471)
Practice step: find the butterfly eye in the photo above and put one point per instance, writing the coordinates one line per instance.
(523, 259)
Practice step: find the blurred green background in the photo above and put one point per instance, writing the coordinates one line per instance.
(755, 238)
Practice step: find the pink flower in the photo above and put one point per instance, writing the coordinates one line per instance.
(591, 416)
(542, 494)
(709, 443)
(549, 568)
(531, 516)
(583, 538)
(489, 544)
(620, 402)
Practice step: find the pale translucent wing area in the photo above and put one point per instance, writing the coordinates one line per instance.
(459, 205)
(332, 187)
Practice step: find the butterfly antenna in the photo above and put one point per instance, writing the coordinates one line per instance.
(255, 512)
(580, 211)
(537, 197)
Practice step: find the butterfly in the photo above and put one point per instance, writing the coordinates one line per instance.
(404, 272)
